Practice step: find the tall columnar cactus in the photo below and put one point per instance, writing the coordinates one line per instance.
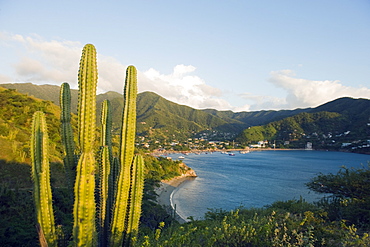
(106, 181)
(120, 180)
(127, 146)
(84, 232)
(67, 133)
(87, 83)
(41, 177)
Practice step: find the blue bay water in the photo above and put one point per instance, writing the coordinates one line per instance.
(254, 179)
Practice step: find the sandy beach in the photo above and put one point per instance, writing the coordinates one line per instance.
(165, 190)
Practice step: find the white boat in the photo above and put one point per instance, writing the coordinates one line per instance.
(181, 157)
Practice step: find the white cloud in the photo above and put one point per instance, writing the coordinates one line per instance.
(300, 93)
(41, 61)
(309, 93)
(57, 61)
(182, 88)
(53, 62)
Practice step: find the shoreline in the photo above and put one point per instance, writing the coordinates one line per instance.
(165, 191)
(165, 152)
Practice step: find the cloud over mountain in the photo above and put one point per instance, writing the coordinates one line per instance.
(306, 93)
(52, 62)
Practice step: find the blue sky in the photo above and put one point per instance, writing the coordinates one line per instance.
(226, 55)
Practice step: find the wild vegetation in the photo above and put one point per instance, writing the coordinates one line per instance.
(18, 218)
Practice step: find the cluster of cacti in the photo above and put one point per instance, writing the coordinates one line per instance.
(111, 216)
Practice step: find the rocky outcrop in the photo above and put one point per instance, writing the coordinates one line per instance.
(187, 171)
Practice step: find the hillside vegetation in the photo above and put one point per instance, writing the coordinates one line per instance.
(341, 124)
(16, 112)
(161, 120)
(330, 222)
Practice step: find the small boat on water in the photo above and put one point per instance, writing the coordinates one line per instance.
(231, 154)
(181, 157)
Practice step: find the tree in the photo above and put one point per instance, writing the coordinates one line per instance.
(353, 183)
(350, 199)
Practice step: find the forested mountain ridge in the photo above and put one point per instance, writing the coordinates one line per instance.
(341, 123)
(161, 119)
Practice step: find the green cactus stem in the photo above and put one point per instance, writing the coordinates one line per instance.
(84, 232)
(41, 177)
(127, 146)
(67, 133)
(106, 125)
(87, 83)
(104, 208)
(136, 195)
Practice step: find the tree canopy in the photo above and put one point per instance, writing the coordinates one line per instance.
(348, 183)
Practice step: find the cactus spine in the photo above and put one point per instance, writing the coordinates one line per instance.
(84, 233)
(41, 177)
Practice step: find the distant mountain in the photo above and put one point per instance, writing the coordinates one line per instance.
(45, 92)
(344, 120)
(163, 119)
(156, 116)
(256, 117)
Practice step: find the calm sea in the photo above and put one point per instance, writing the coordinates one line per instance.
(254, 179)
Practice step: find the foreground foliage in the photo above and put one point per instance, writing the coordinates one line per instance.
(348, 194)
(272, 226)
(17, 221)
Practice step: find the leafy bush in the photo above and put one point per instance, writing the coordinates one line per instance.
(350, 195)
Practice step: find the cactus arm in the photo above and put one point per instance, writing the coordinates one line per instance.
(41, 177)
(67, 133)
(127, 146)
(84, 232)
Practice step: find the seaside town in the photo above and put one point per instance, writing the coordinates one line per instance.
(207, 142)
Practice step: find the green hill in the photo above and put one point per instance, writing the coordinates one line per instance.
(16, 112)
(157, 117)
(328, 126)
(161, 119)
